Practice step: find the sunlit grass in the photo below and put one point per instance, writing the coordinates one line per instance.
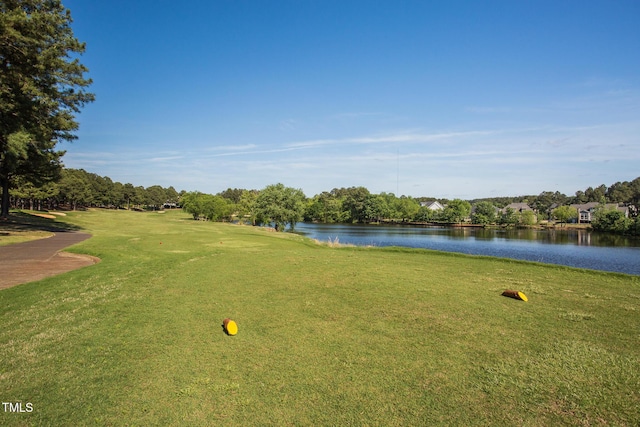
(327, 335)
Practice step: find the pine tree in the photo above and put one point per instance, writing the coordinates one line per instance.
(42, 87)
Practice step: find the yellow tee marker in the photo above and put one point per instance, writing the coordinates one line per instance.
(230, 327)
(515, 294)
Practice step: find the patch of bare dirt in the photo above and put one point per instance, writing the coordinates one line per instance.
(31, 270)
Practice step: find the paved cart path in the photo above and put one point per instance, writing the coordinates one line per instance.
(37, 259)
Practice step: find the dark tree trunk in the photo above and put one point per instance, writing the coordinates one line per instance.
(4, 212)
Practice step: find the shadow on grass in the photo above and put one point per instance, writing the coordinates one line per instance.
(21, 221)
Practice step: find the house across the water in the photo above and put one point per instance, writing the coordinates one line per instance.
(586, 210)
(434, 206)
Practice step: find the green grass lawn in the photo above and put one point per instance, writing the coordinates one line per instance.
(327, 336)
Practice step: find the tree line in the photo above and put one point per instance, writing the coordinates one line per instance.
(76, 189)
(281, 206)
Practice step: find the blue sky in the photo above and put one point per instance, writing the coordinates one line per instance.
(449, 99)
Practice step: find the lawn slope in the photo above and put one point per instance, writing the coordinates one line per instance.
(327, 336)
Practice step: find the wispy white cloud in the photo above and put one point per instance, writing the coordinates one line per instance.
(275, 149)
(165, 159)
(390, 138)
(244, 147)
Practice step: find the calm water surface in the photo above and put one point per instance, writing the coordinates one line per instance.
(575, 248)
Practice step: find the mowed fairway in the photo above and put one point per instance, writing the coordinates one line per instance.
(327, 336)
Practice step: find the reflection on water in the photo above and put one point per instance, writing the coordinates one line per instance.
(557, 236)
(576, 248)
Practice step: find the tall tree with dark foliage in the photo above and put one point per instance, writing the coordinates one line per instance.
(42, 88)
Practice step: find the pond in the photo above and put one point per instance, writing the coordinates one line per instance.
(574, 248)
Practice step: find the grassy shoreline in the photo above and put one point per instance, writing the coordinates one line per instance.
(327, 336)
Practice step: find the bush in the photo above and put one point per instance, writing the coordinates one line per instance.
(612, 221)
(634, 228)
